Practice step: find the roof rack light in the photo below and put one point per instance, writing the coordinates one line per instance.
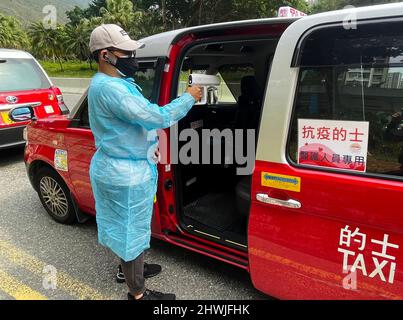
(289, 12)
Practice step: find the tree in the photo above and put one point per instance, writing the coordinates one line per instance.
(77, 40)
(12, 36)
(120, 12)
(137, 22)
(328, 5)
(48, 42)
(94, 9)
(76, 15)
(184, 13)
(148, 24)
(252, 9)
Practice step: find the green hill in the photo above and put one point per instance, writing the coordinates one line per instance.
(31, 10)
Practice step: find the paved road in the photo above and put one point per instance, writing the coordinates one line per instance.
(30, 242)
(71, 99)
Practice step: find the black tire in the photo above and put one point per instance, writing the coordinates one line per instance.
(55, 196)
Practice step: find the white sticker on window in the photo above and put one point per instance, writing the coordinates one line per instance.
(333, 144)
(61, 160)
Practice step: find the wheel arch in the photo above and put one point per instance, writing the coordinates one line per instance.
(37, 165)
(34, 168)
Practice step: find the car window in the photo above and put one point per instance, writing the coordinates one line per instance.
(224, 93)
(351, 78)
(148, 77)
(21, 74)
(184, 79)
(231, 77)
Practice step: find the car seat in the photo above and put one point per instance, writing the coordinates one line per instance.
(248, 116)
(249, 104)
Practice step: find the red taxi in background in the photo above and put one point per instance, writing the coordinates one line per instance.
(23, 82)
(320, 215)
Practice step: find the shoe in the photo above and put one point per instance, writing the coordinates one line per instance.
(153, 295)
(150, 270)
(120, 277)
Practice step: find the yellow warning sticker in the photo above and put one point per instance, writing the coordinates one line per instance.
(279, 181)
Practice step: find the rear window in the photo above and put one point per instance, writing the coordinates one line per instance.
(21, 74)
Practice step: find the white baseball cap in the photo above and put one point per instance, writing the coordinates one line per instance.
(111, 35)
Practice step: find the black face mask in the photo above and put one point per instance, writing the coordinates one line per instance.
(127, 66)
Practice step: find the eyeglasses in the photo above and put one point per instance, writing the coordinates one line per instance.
(129, 54)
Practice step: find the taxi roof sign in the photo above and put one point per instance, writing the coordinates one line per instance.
(289, 12)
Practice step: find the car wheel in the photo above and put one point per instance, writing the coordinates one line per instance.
(55, 196)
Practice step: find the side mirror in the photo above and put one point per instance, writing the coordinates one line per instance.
(21, 114)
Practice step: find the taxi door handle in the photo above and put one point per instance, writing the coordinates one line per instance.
(293, 204)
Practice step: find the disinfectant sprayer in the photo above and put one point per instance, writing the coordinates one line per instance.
(209, 85)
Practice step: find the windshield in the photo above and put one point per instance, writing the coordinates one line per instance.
(21, 74)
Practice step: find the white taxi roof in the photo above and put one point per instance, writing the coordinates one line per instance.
(158, 45)
(11, 53)
(347, 15)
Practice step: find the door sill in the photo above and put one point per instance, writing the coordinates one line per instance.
(233, 241)
(224, 254)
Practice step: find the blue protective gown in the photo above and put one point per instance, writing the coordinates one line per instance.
(123, 175)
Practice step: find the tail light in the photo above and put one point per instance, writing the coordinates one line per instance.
(62, 105)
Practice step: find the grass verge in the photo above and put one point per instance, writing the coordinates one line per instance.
(72, 69)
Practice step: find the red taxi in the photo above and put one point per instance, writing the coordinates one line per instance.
(23, 82)
(320, 215)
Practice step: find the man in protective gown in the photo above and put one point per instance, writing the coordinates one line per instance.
(123, 170)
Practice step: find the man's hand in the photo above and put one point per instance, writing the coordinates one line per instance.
(196, 92)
